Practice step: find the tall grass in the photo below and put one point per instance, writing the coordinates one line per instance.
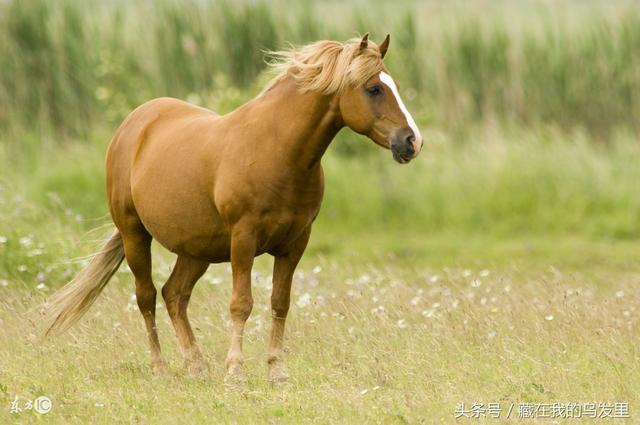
(72, 65)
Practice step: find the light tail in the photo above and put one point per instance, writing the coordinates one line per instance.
(71, 302)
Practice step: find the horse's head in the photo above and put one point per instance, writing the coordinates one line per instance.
(375, 108)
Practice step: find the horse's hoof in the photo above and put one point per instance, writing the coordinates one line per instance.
(195, 369)
(159, 369)
(235, 378)
(278, 373)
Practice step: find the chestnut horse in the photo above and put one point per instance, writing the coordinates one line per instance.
(214, 188)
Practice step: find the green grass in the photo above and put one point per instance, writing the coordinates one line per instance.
(496, 184)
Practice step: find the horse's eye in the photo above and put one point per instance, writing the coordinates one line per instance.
(374, 91)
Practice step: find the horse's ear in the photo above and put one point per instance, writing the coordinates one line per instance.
(384, 46)
(364, 43)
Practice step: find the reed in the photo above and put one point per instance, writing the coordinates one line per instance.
(71, 66)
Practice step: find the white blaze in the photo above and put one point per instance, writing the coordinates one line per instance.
(388, 81)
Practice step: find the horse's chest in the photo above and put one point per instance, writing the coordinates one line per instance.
(278, 208)
(276, 229)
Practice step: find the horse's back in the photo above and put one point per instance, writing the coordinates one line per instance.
(127, 143)
(162, 112)
(158, 170)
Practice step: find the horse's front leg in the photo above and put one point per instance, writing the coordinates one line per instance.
(243, 249)
(283, 269)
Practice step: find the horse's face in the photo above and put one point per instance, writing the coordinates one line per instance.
(376, 110)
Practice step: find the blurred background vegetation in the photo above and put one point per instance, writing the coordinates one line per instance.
(70, 64)
(531, 109)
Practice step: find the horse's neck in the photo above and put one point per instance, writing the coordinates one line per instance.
(302, 124)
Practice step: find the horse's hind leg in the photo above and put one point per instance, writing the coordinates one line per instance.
(137, 249)
(176, 293)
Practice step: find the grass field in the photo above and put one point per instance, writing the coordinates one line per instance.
(500, 266)
(396, 324)
(379, 340)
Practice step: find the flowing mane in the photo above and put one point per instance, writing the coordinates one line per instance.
(328, 66)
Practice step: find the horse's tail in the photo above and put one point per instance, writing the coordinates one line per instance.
(71, 302)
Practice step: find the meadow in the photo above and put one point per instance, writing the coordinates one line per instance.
(501, 266)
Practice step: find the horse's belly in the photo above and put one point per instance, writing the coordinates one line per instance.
(214, 247)
(184, 224)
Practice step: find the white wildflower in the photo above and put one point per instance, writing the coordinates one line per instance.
(378, 309)
(35, 252)
(26, 241)
(428, 313)
(304, 300)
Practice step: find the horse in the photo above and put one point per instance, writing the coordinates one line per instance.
(227, 188)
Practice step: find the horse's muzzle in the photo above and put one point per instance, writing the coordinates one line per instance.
(404, 145)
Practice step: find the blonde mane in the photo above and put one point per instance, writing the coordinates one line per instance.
(326, 66)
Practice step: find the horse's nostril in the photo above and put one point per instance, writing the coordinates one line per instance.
(410, 139)
(409, 148)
